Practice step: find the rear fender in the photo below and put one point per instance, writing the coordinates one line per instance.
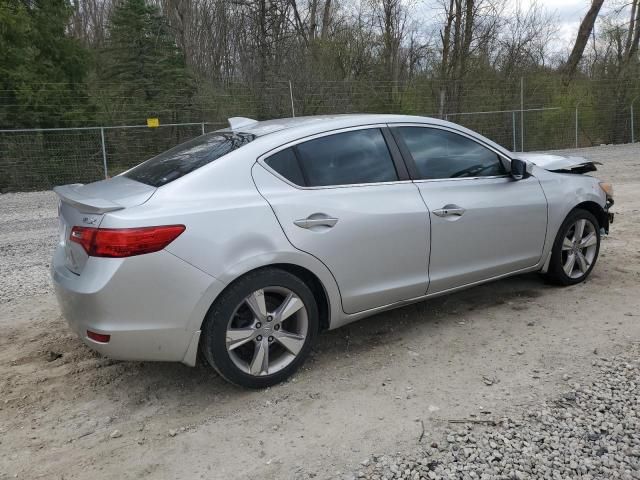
(218, 285)
(295, 258)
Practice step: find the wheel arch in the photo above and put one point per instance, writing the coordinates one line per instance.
(555, 269)
(316, 286)
(304, 274)
(597, 211)
(324, 288)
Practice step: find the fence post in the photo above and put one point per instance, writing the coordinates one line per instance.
(513, 129)
(522, 114)
(633, 138)
(293, 111)
(202, 125)
(104, 153)
(576, 126)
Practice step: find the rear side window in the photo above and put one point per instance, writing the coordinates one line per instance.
(359, 156)
(286, 164)
(442, 154)
(187, 157)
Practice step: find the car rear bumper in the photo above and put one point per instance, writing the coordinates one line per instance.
(151, 305)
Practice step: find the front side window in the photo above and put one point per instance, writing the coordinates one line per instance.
(358, 156)
(187, 157)
(443, 154)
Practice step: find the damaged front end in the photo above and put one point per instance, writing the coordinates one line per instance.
(607, 188)
(559, 163)
(578, 166)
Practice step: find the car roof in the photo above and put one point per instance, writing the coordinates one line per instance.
(298, 127)
(327, 122)
(272, 135)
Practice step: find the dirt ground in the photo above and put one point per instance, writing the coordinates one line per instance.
(370, 387)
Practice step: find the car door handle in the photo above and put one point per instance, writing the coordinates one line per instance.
(316, 221)
(449, 211)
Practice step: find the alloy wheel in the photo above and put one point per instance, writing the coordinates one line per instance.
(579, 248)
(267, 331)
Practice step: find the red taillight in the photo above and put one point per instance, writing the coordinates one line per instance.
(98, 337)
(124, 242)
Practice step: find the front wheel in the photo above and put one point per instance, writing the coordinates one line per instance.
(575, 249)
(261, 329)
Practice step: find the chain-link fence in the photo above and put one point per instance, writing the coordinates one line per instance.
(38, 159)
(32, 159)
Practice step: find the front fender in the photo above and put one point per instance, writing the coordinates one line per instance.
(565, 192)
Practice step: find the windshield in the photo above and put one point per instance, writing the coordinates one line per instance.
(187, 157)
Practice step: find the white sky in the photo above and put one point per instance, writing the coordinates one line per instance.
(569, 13)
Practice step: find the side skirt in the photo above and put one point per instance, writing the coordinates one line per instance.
(346, 319)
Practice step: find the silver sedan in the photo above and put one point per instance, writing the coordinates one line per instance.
(243, 244)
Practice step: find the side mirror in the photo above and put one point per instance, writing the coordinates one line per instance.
(518, 169)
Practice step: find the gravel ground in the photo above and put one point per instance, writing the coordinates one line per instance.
(588, 432)
(27, 237)
(496, 352)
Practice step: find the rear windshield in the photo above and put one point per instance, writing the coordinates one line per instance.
(187, 157)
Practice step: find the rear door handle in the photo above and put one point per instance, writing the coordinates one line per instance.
(315, 221)
(449, 211)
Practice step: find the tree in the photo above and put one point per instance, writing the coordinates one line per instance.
(469, 26)
(586, 27)
(141, 64)
(89, 20)
(34, 48)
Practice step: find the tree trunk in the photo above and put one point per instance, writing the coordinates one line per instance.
(632, 22)
(455, 82)
(444, 65)
(582, 38)
(634, 29)
(326, 19)
(469, 20)
(313, 19)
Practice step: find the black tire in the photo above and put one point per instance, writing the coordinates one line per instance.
(213, 341)
(556, 273)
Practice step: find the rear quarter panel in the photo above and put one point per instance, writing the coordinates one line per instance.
(230, 228)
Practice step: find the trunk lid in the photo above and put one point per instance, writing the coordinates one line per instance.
(86, 205)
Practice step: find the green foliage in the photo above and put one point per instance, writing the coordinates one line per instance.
(34, 48)
(143, 69)
(62, 67)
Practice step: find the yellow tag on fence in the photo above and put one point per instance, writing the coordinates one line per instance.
(153, 122)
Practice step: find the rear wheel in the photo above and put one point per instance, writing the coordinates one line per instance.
(261, 329)
(575, 249)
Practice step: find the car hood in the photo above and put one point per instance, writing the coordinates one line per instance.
(558, 163)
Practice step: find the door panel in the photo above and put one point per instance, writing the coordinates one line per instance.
(374, 238)
(482, 228)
